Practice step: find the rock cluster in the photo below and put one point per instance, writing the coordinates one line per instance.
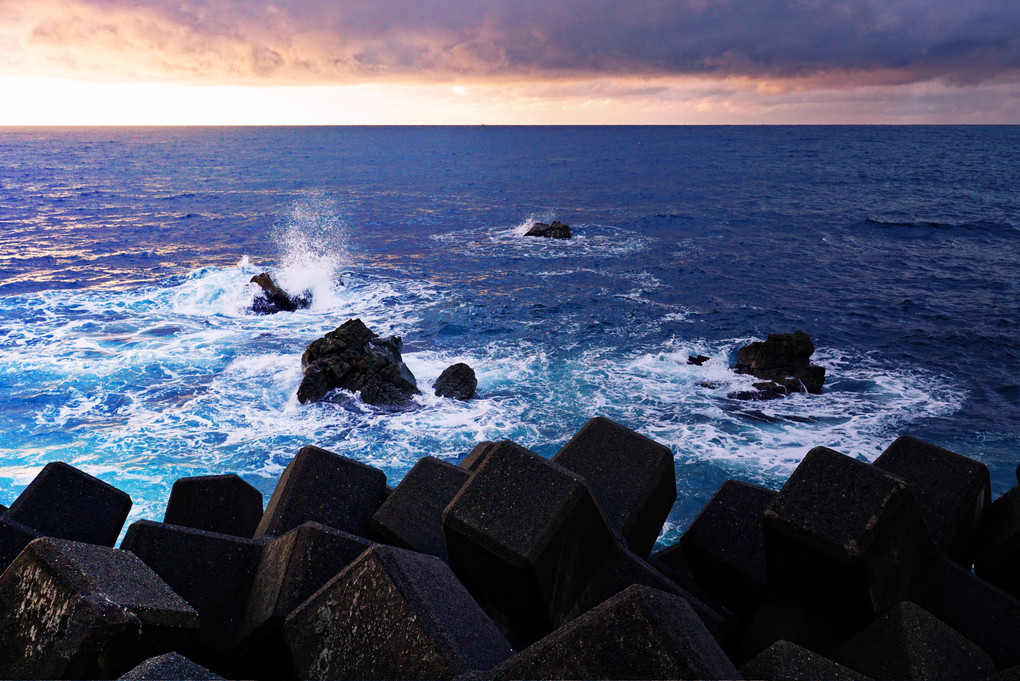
(512, 566)
(354, 358)
(557, 230)
(270, 298)
(784, 363)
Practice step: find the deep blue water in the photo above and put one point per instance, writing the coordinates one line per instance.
(124, 254)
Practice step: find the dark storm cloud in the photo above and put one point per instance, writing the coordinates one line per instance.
(853, 41)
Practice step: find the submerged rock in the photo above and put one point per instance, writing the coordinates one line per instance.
(557, 230)
(457, 381)
(271, 299)
(784, 360)
(354, 358)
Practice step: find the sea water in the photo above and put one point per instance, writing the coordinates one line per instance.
(127, 348)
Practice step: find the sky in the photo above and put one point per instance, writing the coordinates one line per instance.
(117, 62)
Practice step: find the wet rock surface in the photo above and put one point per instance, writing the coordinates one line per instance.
(270, 298)
(557, 230)
(783, 361)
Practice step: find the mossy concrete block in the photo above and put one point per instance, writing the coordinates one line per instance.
(75, 610)
(292, 568)
(952, 492)
(977, 609)
(785, 661)
(641, 633)
(65, 502)
(170, 667)
(393, 614)
(211, 571)
(526, 537)
(998, 553)
(412, 516)
(14, 537)
(631, 476)
(725, 545)
(322, 487)
(477, 454)
(844, 538)
(908, 642)
(215, 503)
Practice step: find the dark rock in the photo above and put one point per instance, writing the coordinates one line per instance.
(907, 642)
(768, 390)
(998, 553)
(292, 568)
(392, 614)
(641, 633)
(777, 620)
(213, 572)
(631, 477)
(322, 487)
(785, 359)
(526, 537)
(951, 490)
(557, 230)
(170, 667)
(457, 381)
(74, 610)
(14, 537)
(785, 661)
(67, 503)
(354, 358)
(477, 454)
(725, 545)
(271, 299)
(216, 503)
(976, 609)
(843, 537)
(697, 360)
(412, 517)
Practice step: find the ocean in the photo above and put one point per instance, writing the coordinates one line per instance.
(126, 348)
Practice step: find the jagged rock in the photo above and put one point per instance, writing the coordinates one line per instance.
(457, 381)
(767, 390)
(354, 358)
(697, 360)
(271, 299)
(557, 230)
(215, 503)
(79, 611)
(784, 359)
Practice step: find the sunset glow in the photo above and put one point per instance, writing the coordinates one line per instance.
(221, 62)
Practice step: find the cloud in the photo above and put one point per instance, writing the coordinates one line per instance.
(787, 43)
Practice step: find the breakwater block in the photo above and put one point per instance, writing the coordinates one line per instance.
(75, 610)
(978, 610)
(14, 537)
(725, 545)
(777, 620)
(998, 555)
(526, 537)
(952, 492)
(295, 566)
(785, 660)
(477, 454)
(631, 477)
(65, 502)
(322, 487)
(412, 516)
(215, 503)
(640, 633)
(170, 666)
(907, 642)
(211, 571)
(393, 614)
(844, 538)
